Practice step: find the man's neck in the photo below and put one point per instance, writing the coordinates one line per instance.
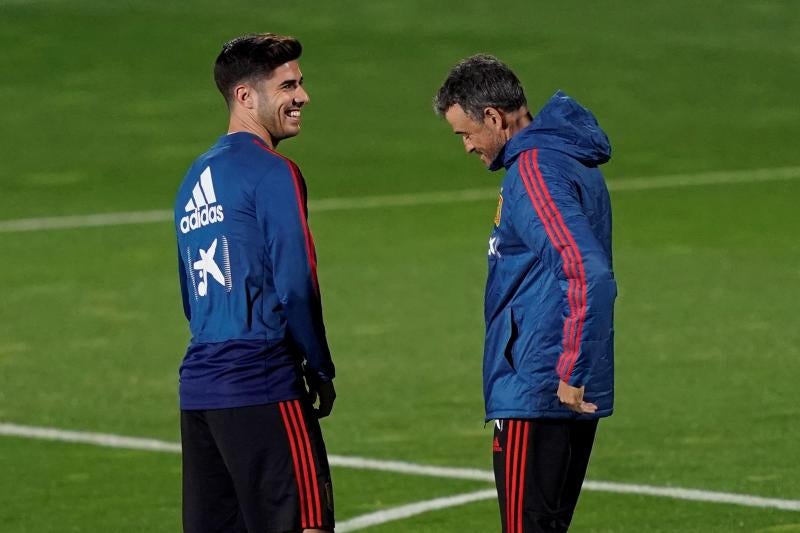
(517, 120)
(248, 124)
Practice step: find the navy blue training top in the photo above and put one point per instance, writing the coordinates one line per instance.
(247, 270)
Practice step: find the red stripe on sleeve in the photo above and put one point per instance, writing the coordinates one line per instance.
(571, 341)
(581, 289)
(301, 208)
(297, 475)
(573, 267)
(559, 242)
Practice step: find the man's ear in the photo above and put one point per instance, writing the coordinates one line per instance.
(244, 95)
(494, 118)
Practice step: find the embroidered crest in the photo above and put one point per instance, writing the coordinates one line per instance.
(499, 209)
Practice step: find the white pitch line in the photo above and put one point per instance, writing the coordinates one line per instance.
(401, 467)
(694, 495)
(105, 440)
(85, 221)
(412, 509)
(409, 199)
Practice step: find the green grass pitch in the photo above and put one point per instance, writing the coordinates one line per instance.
(106, 103)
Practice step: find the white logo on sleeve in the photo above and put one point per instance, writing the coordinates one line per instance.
(494, 242)
(206, 266)
(200, 208)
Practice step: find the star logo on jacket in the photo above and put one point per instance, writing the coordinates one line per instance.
(207, 265)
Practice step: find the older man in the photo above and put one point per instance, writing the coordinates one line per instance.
(548, 358)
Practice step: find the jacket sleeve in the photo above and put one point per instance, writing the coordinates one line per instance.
(551, 221)
(187, 308)
(282, 212)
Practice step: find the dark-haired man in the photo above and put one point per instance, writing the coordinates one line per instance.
(548, 355)
(253, 455)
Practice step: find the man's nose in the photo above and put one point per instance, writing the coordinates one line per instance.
(301, 96)
(468, 146)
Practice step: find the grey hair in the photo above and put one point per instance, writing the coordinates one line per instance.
(478, 82)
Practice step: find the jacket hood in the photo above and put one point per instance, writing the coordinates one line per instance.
(563, 125)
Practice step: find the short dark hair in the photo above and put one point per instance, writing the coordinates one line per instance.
(478, 82)
(250, 57)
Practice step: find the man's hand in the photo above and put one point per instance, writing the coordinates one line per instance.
(327, 395)
(572, 397)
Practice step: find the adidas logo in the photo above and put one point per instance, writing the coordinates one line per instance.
(202, 213)
(496, 448)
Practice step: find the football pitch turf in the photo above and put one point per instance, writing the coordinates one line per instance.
(105, 104)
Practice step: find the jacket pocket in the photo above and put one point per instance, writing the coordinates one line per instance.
(513, 335)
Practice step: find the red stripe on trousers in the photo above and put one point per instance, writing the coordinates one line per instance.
(309, 239)
(570, 255)
(514, 484)
(297, 475)
(303, 453)
(509, 453)
(312, 465)
(582, 302)
(559, 242)
(524, 457)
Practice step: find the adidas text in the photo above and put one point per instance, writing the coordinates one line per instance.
(202, 217)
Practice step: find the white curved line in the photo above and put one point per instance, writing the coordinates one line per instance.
(402, 467)
(412, 509)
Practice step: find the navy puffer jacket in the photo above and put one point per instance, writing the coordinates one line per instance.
(550, 291)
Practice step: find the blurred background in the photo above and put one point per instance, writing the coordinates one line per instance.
(105, 105)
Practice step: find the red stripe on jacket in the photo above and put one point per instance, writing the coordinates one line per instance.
(563, 241)
(301, 208)
(572, 268)
(559, 242)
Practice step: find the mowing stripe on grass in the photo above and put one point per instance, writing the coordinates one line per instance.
(412, 509)
(401, 467)
(408, 200)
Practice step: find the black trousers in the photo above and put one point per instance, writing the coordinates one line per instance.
(539, 466)
(255, 469)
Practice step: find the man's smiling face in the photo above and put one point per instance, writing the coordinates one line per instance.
(479, 137)
(281, 97)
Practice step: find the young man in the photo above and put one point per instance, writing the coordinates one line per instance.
(548, 359)
(253, 456)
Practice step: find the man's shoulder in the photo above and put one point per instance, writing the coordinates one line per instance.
(248, 158)
(265, 155)
(255, 155)
(536, 172)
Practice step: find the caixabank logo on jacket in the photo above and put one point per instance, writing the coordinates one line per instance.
(200, 206)
(206, 266)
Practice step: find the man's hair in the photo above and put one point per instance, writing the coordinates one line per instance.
(251, 57)
(478, 82)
